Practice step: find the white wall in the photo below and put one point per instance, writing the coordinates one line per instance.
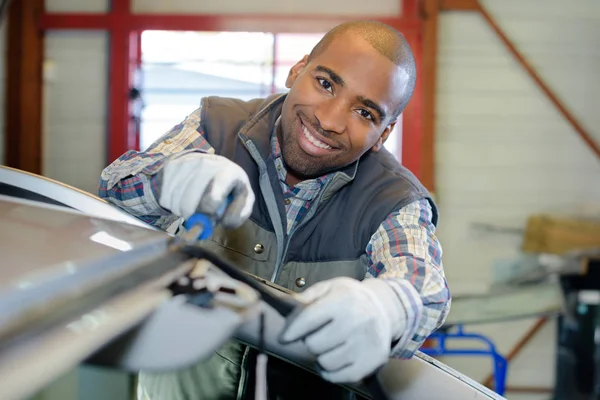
(75, 107)
(503, 152)
(3, 54)
(87, 6)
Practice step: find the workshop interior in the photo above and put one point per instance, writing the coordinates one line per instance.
(502, 129)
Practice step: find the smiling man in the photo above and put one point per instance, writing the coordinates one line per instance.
(371, 74)
(319, 207)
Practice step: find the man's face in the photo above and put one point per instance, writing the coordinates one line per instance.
(340, 105)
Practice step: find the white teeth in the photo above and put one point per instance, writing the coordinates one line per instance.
(314, 140)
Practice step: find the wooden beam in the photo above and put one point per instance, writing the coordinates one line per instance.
(430, 13)
(579, 129)
(458, 5)
(528, 389)
(23, 129)
(275, 23)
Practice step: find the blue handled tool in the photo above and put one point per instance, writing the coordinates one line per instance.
(200, 226)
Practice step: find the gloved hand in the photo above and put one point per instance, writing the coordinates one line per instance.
(202, 182)
(349, 326)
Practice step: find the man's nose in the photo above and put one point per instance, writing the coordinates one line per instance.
(332, 115)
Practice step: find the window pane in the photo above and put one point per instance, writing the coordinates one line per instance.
(289, 49)
(393, 144)
(179, 68)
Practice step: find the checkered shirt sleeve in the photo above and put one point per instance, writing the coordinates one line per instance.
(406, 253)
(132, 181)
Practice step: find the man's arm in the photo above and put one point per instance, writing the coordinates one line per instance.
(132, 182)
(406, 253)
(351, 325)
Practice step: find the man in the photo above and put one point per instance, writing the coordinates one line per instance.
(319, 206)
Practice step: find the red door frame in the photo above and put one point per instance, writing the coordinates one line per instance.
(125, 27)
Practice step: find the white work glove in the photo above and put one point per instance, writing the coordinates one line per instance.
(201, 182)
(349, 326)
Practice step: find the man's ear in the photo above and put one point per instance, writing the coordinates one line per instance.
(295, 71)
(381, 140)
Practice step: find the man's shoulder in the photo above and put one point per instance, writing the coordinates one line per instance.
(213, 102)
(386, 162)
(222, 115)
(223, 118)
(231, 105)
(383, 183)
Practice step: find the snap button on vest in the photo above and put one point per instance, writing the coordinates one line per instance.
(300, 282)
(259, 248)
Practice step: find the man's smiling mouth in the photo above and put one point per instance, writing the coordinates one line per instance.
(315, 138)
(311, 138)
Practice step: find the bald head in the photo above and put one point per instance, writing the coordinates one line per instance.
(383, 38)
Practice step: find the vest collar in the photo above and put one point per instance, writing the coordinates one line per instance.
(258, 129)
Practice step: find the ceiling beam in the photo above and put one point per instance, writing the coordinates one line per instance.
(458, 5)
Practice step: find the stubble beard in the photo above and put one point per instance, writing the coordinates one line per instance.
(297, 161)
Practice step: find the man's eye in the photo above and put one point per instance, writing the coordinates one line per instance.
(366, 114)
(325, 83)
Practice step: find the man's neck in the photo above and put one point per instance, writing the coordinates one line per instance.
(291, 179)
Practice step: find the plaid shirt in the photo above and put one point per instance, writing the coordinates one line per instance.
(297, 198)
(404, 250)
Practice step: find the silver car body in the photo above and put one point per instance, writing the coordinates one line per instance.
(82, 281)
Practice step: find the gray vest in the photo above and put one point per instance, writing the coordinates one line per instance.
(329, 242)
(331, 239)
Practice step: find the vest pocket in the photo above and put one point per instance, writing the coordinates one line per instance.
(245, 241)
(298, 276)
(250, 248)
